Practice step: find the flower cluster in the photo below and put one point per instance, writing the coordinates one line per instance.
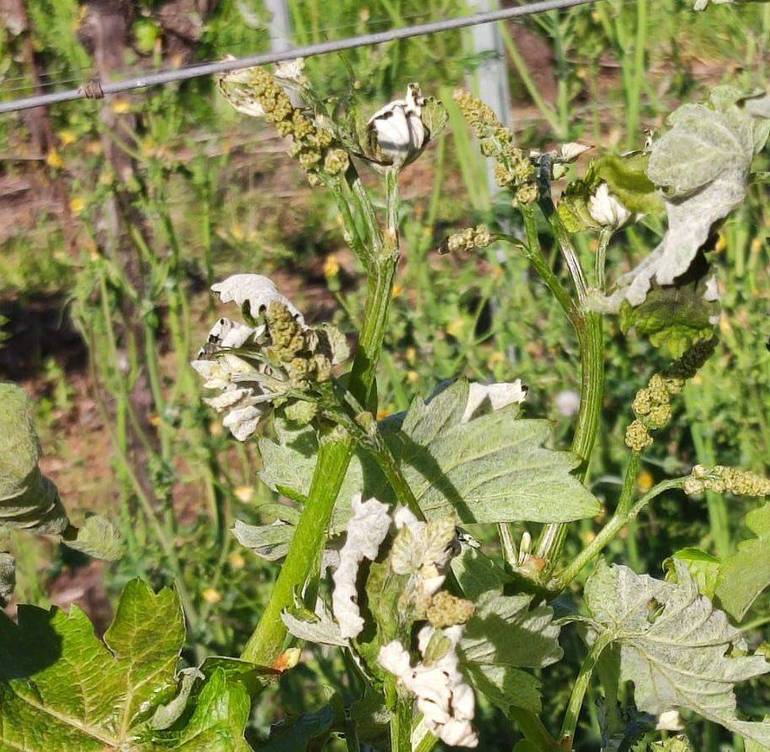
(255, 92)
(514, 169)
(467, 240)
(721, 479)
(274, 360)
(652, 404)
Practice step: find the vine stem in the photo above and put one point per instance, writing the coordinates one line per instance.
(589, 330)
(266, 642)
(619, 520)
(575, 705)
(400, 718)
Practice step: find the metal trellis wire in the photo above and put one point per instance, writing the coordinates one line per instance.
(98, 88)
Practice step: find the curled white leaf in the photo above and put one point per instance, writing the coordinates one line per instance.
(571, 151)
(365, 533)
(606, 209)
(256, 290)
(670, 720)
(398, 130)
(292, 70)
(442, 695)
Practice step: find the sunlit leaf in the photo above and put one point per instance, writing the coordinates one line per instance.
(677, 649)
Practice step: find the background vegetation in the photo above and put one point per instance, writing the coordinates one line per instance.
(117, 214)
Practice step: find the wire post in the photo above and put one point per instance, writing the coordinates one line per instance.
(279, 25)
(491, 77)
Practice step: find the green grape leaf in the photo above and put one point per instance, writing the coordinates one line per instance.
(28, 499)
(746, 573)
(97, 537)
(505, 637)
(217, 721)
(626, 177)
(63, 689)
(703, 567)
(673, 744)
(674, 317)
(488, 468)
(677, 649)
(309, 728)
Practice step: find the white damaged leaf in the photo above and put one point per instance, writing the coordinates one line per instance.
(702, 166)
(677, 649)
(397, 134)
(322, 630)
(256, 290)
(492, 396)
(443, 696)
(366, 531)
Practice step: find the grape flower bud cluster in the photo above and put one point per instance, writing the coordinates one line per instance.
(514, 169)
(274, 360)
(652, 404)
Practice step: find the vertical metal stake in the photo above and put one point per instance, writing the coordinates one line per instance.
(279, 25)
(491, 79)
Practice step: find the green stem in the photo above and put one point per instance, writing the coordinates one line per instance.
(569, 725)
(589, 330)
(267, 640)
(533, 729)
(400, 718)
(591, 343)
(535, 256)
(608, 533)
(629, 481)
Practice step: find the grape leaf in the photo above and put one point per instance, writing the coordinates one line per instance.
(28, 499)
(63, 689)
(504, 637)
(309, 728)
(673, 744)
(703, 567)
(97, 537)
(677, 649)
(216, 725)
(491, 468)
(674, 317)
(702, 145)
(746, 573)
(702, 164)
